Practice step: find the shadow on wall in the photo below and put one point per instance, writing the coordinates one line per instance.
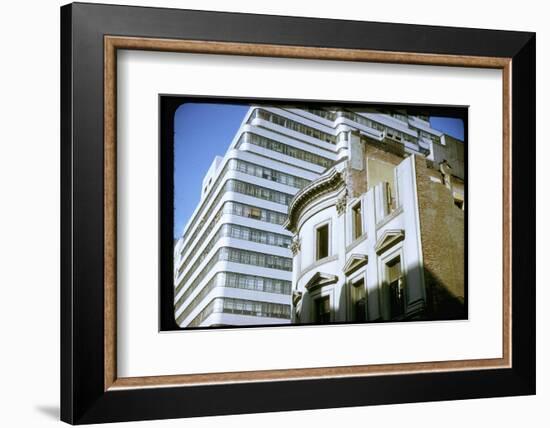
(442, 301)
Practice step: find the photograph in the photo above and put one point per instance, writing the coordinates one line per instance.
(298, 213)
(278, 209)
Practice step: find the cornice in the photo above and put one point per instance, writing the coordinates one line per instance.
(355, 262)
(324, 184)
(320, 279)
(389, 239)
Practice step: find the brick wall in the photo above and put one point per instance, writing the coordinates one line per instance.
(442, 232)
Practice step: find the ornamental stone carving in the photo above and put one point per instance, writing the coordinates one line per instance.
(328, 182)
(341, 204)
(446, 170)
(296, 245)
(296, 297)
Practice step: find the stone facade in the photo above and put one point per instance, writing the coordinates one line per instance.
(394, 231)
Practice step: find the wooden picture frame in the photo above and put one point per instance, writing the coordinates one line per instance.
(91, 391)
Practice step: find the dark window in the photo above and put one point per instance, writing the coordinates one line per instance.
(396, 288)
(357, 221)
(322, 309)
(322, 242)
(358, 301)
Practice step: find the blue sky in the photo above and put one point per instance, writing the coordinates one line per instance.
(203, 131)
(448, 125)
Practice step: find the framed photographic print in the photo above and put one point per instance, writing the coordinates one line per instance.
(289, 192)
(320, 213)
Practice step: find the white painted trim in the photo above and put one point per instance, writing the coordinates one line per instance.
(316, 227)
(319, 294)
(383, 284)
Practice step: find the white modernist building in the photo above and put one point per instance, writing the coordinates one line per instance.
(233, 263)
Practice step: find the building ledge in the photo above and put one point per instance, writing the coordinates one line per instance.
(319, 280)
(327, 182)
(355, 243)
(389, 217)
(317, 264)
(388, 240)
(355, 262)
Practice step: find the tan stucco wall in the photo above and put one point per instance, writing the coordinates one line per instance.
(380, 164)
(442, 232)
(379, 171)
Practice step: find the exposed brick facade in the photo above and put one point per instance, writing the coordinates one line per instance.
(442, 232)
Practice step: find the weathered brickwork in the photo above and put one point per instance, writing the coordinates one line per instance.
(442, 232)
(386, 151)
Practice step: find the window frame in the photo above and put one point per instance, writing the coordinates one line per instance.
(386, 258)
(351, 285)
(328, 224)
(353, 207)
(320, 294)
